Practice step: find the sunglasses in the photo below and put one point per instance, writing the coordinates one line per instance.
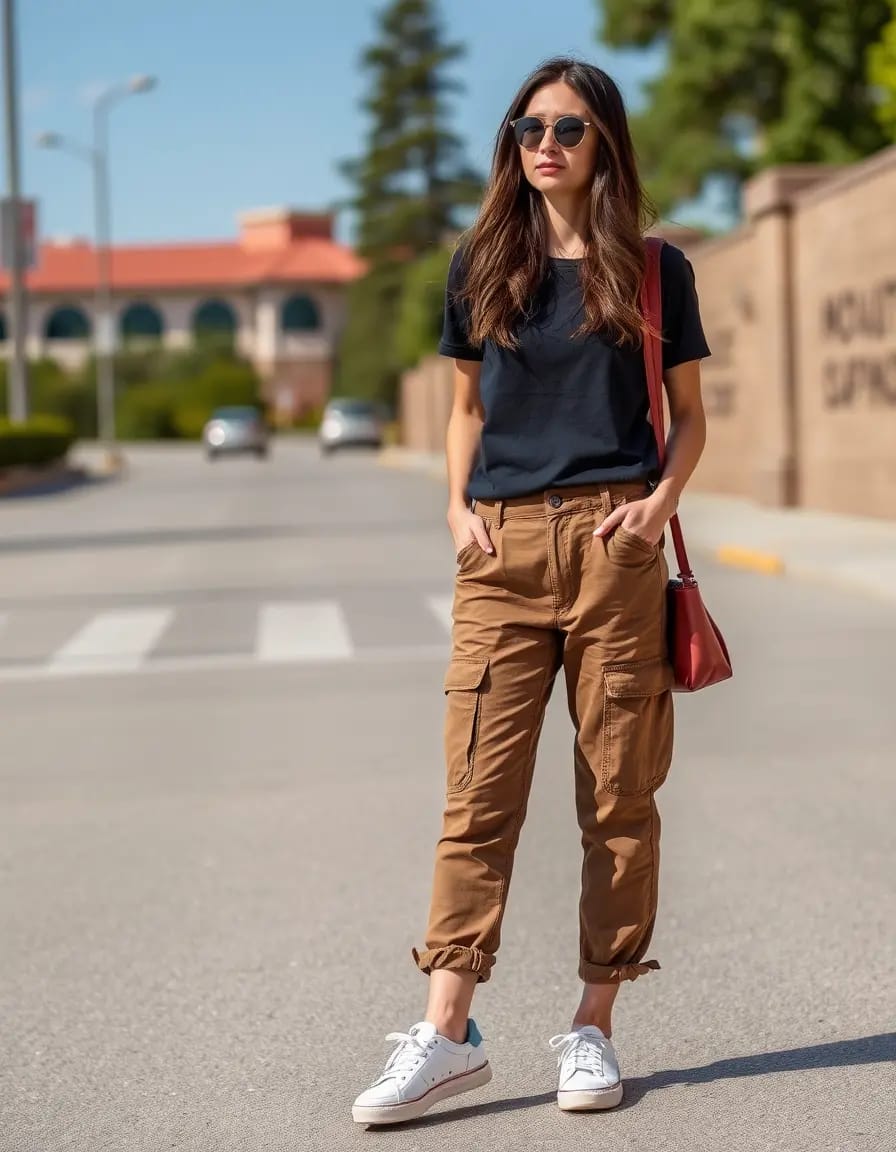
(569, 131)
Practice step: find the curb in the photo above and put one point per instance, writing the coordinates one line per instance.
(749, 559)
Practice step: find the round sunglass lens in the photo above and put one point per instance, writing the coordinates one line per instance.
(569, 131)
(529, 132)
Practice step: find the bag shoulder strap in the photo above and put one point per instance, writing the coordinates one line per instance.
(652, 310)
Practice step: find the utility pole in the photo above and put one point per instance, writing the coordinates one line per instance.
(18, 374)
(97, 155)
(105, 342)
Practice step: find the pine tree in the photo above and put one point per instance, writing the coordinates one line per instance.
(409, 188)
(750, 83)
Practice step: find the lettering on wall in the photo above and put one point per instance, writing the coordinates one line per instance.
(719, 389)
(866, 377)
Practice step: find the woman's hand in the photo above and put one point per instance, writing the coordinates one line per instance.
(645, 518)
(466, 527)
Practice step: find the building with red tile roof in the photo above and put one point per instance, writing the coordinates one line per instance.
(279, 289)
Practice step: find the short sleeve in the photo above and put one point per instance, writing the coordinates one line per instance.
(682, 327)
(455, 341)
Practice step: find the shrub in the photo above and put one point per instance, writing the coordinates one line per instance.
(146, 413)
(159, 393)
(309, 420)
(189, 420)
(53, 393)
(39, 440)
(224, 382)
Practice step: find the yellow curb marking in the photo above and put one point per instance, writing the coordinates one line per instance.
(749, 558)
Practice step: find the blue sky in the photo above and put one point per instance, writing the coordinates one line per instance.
(257, 101)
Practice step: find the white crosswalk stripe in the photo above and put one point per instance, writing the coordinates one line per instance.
(119, 640)
(221, 634)
(304, 630)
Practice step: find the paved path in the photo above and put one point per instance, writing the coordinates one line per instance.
(211, 876)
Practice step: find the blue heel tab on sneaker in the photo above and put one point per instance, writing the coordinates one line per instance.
(474, 1036)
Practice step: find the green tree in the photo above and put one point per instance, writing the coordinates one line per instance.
(419, 322)
(409, 188)
(882, 72)
(367, 363)
(750, 83)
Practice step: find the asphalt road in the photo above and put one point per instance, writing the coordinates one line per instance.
(220, 786)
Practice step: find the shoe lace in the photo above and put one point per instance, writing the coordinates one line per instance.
(585, 1052)
(409, 1052)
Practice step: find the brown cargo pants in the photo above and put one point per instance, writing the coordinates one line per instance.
(552, 594)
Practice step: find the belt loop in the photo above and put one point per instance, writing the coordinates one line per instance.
(606, 500)
(499, 514)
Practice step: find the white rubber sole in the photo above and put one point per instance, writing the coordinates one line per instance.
(590, 1101)
(411, 1109)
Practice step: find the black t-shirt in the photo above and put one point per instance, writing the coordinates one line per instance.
(561, 411)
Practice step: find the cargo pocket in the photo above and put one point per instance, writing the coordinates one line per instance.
(464, 688)
(637, 727)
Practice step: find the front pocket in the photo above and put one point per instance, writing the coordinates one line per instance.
(631, 548)
(637, 727)
(464, 682)
(466, 551)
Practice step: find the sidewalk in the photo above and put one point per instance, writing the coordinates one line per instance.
(850, 552)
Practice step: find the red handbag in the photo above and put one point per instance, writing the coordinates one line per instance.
(697, 651)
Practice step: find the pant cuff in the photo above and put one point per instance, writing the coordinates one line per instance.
(455, 958)
(614, 973)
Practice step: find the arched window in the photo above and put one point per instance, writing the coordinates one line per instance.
(142, 322)
(2, 327)
(214, 318)
(299, 314)
(68, 323)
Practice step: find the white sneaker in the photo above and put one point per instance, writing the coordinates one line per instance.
(589, 1071)
(423, 1069)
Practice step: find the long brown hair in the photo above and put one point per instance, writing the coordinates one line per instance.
(506, 251)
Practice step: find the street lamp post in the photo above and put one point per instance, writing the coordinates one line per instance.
(104, 328)
(18, 374)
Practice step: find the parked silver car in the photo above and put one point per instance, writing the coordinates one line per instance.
(240, 428)
(348, 422)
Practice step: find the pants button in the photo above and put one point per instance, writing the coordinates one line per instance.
(555, 501)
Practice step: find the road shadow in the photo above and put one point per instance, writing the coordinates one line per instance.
(225, 533)
(841, 1054)
(469, 1111)
(54, 485)
(879, 1049)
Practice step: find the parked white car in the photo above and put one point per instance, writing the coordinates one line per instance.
(350, 423)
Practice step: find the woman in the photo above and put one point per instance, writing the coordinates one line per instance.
(557, 514)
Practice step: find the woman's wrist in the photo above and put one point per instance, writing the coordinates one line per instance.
(458, 504)
(665, 496)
